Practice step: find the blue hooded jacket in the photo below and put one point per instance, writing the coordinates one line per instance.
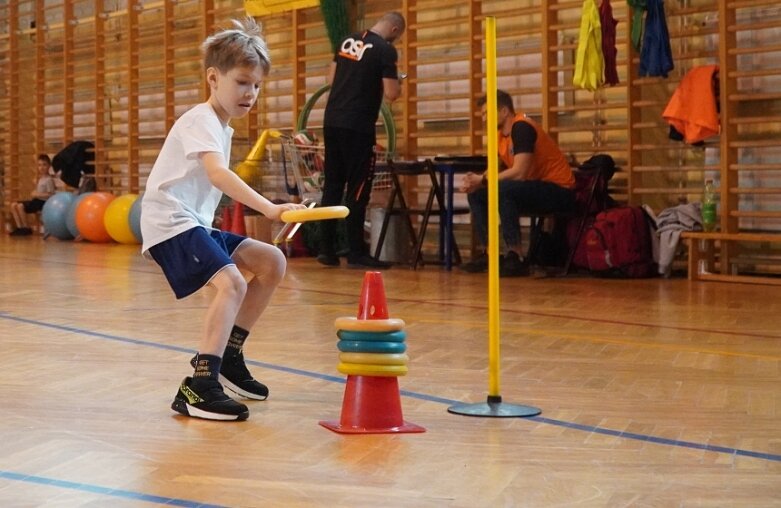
(656, 58)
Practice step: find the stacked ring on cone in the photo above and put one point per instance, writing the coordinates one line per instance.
(372, 354)
(373, 347)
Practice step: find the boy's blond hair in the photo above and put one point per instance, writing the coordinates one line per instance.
(240, 46)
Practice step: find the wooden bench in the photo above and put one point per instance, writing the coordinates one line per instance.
(701, 255)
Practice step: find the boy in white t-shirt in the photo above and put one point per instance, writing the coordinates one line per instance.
(44, 188)
(182, 193)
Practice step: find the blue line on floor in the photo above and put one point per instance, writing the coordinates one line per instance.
(421, 396)
(659, 440)
(104, 491)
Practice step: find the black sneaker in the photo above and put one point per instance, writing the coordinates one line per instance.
(328, 260)
(235, 377)
(477, 265)
(210, 403)
(365, 261)
(512, 266)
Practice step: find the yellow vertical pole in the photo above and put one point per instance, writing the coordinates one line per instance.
(493, 407)
(493, 207)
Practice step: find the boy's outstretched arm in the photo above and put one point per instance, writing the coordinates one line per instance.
(234, 187)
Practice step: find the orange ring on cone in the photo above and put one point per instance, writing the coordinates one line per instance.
(356, 369)
(374, 358)
(309, 214)
(369, 325)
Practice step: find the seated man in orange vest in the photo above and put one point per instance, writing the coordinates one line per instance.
(534, 177)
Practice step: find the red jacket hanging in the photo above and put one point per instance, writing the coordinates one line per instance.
(609, 42)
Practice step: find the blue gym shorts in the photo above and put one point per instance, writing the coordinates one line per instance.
(191, 259)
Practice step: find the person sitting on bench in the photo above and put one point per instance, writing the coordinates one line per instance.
(44, 188)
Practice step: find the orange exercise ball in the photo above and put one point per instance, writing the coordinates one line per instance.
(116, 219)
(89, 217)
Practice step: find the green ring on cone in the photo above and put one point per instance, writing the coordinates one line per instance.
(356, 346)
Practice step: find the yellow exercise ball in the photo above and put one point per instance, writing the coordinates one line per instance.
(116, 219)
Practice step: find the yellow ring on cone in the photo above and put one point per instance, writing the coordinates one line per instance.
(309, 214)
(374, 358)
(369, 325)
(355, 369)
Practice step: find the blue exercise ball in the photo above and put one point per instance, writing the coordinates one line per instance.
(55, 214)
(70, 220)
(134, 217)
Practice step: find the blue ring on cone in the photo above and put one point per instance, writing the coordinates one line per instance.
(397, 336)
(357, 346)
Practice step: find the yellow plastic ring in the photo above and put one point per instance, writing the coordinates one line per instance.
(369, 325)
(374, 358)
(355, 369)
(310, 214)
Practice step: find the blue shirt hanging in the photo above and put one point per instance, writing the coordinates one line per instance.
(656, 58)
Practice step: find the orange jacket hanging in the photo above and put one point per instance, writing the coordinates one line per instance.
(692, 108)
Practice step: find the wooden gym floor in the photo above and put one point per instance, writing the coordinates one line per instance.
(653, 392)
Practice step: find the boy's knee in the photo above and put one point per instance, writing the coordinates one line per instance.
(276, 265)
(267, 263)
(231, 284)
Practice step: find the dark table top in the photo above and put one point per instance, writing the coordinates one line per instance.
(462, 163)
(456, 163)
(402, 167)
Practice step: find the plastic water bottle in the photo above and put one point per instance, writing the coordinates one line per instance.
(708, 207)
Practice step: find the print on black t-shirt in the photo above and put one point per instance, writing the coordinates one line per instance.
(363, 59)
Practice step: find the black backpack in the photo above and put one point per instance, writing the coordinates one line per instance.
(74, 161)
(601, 167)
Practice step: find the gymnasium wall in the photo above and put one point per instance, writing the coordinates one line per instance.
(119, 72)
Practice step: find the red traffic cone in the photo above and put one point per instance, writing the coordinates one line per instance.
(372, 304)
(225, 224)
(371, 405)
(237, 223)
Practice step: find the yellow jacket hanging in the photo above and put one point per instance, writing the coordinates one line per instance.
(589, 60)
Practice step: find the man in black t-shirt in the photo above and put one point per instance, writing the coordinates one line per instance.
(362, 73)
